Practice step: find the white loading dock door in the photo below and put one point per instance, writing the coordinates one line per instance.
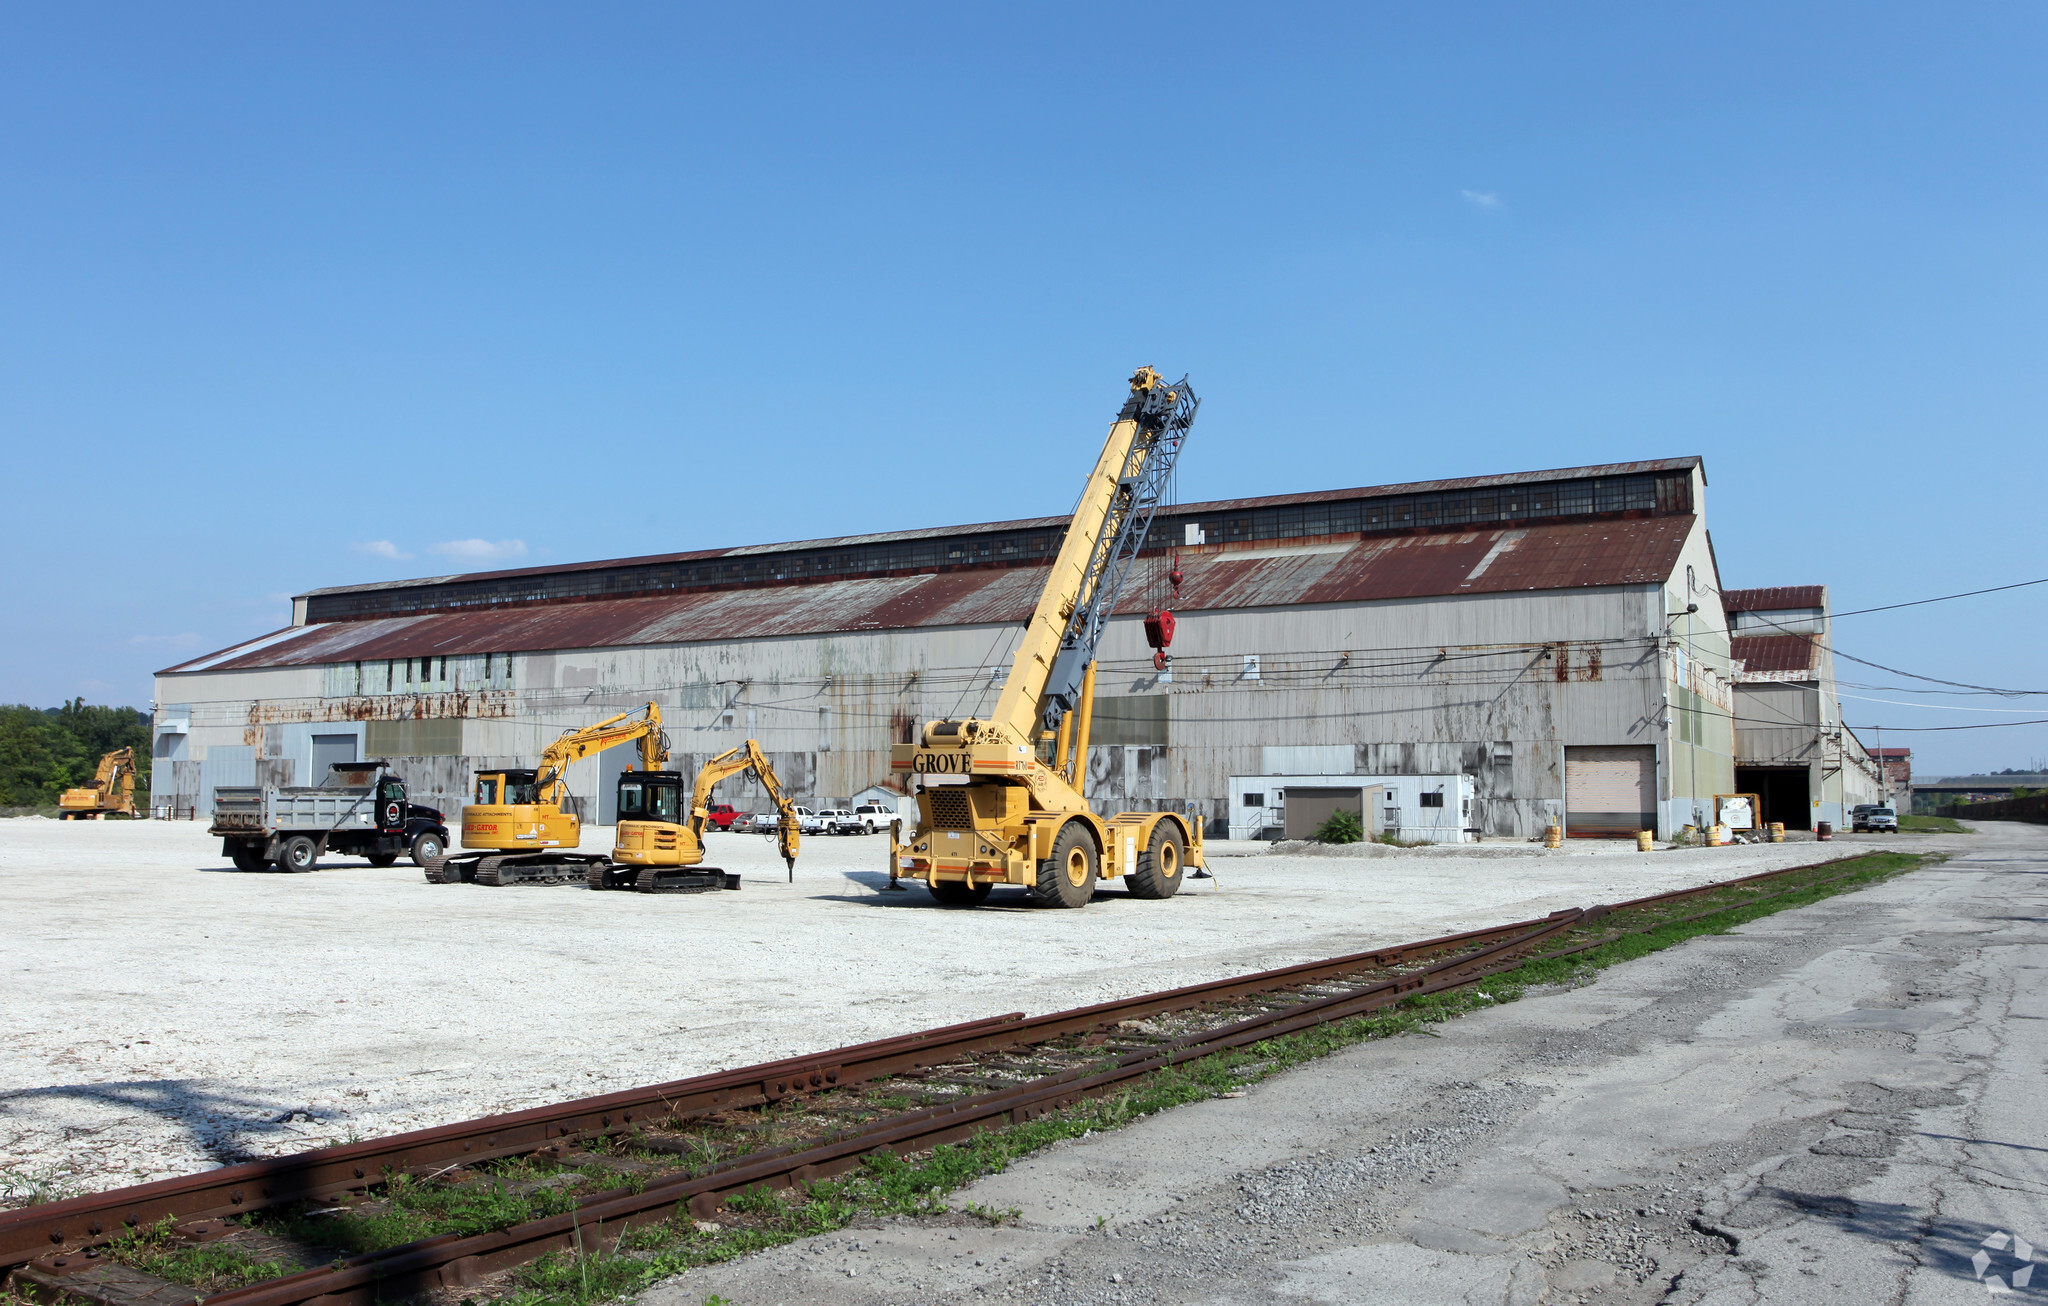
(1610, 790)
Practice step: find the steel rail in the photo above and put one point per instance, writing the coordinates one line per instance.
(459, 1260)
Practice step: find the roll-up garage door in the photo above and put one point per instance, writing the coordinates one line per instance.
(1610, 791)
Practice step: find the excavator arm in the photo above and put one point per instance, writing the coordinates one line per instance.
(643, 727)
(747, 757)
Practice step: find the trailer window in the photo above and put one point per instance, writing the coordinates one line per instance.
(1433, 800)
(1254, 800)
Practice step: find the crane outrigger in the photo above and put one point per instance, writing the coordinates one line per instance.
(1001, 798)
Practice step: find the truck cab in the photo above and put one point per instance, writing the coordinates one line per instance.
(723, 815)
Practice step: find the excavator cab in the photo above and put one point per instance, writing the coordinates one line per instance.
(659, 846)
(510, 816)
(654, 828)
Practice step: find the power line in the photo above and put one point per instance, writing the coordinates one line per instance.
(1910, 675)
(1939, 707)
(1988, 725)
(1914, 603)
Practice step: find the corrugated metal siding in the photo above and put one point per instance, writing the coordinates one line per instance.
(1438, 684)
(1775, 652)
(1587, 555)
(1777, 598)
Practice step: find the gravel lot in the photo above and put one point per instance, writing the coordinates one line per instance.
(165, 1012)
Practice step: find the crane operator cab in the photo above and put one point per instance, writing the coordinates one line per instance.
(507, 812)
(659, 846)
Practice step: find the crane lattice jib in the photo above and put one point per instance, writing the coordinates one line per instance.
(1163, 414)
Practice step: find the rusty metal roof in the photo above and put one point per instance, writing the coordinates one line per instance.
(1568, 555)
(1776, 598)
(1774, 652)
(1218, 506)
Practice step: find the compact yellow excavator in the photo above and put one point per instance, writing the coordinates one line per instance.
(516, 832)
(1001, 798)
(111, 793)
(659, 850)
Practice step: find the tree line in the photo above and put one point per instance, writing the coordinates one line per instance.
(46, 750)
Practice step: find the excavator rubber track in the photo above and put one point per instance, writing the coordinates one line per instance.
(499, 869)
(684, 879)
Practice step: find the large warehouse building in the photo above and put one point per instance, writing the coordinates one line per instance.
(1524, 648)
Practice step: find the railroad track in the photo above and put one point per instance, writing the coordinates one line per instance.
(825, 1114)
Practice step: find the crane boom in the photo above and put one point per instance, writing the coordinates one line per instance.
(1109, 528)
(991, 810)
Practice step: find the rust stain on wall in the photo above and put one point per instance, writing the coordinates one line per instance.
(480, 705)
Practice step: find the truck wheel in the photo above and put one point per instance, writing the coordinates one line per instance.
(1158, 874)
(248, 857)
(382, 860)
(1067, 878)
(297, 854)
(426, 846)
(955, 893)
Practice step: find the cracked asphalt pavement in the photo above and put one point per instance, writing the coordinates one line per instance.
(1842, 1103)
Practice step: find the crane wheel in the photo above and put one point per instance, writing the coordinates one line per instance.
(1067, 878)
(1160, 866)
(955, 893)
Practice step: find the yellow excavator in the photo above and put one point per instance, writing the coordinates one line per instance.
(660, 850)
(1002, 798)
(516, 832)
(111, 793)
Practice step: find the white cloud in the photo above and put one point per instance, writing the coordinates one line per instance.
(1484, 199)
(381, 549)
(186, 640)
(481, 550)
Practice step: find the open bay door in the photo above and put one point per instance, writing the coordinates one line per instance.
(1610, 790)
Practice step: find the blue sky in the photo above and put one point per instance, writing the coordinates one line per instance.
(293, 297)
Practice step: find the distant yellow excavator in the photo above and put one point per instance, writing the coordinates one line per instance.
(516, 831)
(111, 793)
(658, 850)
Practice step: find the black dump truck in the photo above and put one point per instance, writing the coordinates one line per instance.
(360, 812)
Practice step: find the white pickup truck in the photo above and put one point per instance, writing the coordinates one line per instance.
(807, 822)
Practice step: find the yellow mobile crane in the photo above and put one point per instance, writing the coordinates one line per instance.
(659, 850)
(993, 807)
(517, 825)
(112, 791)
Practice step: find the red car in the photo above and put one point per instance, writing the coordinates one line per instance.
(723, 815)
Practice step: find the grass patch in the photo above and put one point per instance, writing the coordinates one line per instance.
(614, 1263)
(1930, 825)
(207, 1268)
(36, 1185)
(407, 1211)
